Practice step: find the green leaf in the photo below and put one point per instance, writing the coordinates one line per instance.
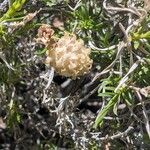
(128, 98)
(136, 44)
(108, 107)
(115, 109)
(103, 85)
(110, 88)
(103, 113)
(40, 52)
(16, 6)
(106, 94)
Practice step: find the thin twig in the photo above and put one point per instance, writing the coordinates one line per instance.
(107, 69)
(92, 46)
(119, 135)
(119, 9)
(146, 119)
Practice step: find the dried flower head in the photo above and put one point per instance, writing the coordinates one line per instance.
(45, 32)
(147, 5)
(69, 56)
(145, 91)
(58, 23)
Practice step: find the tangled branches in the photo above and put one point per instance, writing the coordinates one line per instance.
(105, 105)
